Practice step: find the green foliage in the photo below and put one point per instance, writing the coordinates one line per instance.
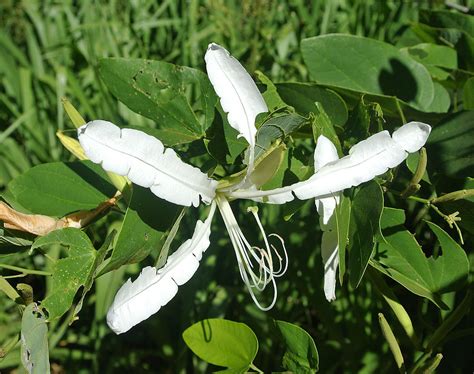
(301, 355)
(223, 343)
(343, 69)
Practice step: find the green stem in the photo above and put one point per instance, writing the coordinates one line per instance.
(400, 112)
(252, 366)
(397, 308)
(25, 271)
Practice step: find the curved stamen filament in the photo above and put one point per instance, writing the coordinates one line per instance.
(256, 265)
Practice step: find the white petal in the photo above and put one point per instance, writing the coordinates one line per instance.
(138, 300)
(412, 136)
(367, 159)
(324, 153)
(146, 162)
(330, 255)
(239, 95)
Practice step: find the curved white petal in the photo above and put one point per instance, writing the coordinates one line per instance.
(239, 95)
(324, 154)
(146, 162)
(138, 300)
(330, 255)
(367, 159)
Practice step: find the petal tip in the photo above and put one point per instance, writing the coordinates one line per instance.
(412, 136)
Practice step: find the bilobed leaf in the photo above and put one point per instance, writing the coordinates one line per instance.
(59, 188)
(400, 257)
(366, 209)
(146, 220)
(70, 273)
(160, 91)
(303, 96)
(146, 162)
(370, 66)
(154, 288)
(301, 354)
(223, 343)
(34, 340)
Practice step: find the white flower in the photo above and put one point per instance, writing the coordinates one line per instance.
(145, 161)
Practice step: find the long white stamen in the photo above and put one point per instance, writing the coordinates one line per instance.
(255, 263)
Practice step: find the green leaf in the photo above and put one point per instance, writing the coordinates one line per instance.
(433, 55)
(34, 340)
(303, 96)
(450, 147)
(275, 128)
(447, 19)
(70, 273)
(59, 188)
(301, 354)
(223, 343)
(179, 99)
(99, 258)
(449, 34)
(146, 221)
(441, 101)
(272, 98)
(399, 256)
(468, 94)
(366, 209)
(365, 119)
(370, 67)
(322, 125)
(343, 219)
(224, 145)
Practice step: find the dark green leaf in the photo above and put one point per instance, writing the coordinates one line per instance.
(343, 219)
(365, 119)
(370, 67)
(366, 209)
(301, 354)
(59, 188)
(146, 221)
(322, 125)
(179, 99)
(223, 343)
(276, 128)
(450, 146)
(303, 96)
